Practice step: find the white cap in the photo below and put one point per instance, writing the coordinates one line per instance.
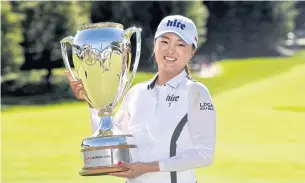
(180, 25)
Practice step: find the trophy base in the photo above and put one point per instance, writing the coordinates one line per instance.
(101, 171)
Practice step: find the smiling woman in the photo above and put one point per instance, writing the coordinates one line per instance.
(174, 133)
(172, 55)
(175, 44)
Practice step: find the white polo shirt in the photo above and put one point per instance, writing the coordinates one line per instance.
(174, 124)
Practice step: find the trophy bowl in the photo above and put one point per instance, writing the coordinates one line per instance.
(102, 59)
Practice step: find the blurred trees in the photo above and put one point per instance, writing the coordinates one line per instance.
(11, 37)
(234, 28)
(300, 19)
(45, 24)
(31, 31)
(245, 29)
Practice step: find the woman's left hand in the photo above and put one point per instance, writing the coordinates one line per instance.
(136, 169)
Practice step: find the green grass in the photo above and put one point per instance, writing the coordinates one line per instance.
(260, 130)
(257, 141)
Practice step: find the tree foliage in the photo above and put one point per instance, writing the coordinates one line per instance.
(11, 37)
(46, 23)
(248, 28)
(236, 28)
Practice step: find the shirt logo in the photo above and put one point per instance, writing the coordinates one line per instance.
(174, 23)
(206, 106)
(171, 98)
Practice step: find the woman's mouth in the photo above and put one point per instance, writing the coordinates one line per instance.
(170, 59)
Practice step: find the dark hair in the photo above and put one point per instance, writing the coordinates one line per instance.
(187, 69)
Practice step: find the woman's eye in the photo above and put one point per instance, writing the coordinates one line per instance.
(163, 41)
(181, 45)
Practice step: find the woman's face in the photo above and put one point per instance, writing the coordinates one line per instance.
(172, 53)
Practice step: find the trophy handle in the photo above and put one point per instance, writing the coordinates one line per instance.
(63, 42)
(128, 33)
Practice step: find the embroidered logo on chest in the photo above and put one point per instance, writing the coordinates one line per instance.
(171, 98)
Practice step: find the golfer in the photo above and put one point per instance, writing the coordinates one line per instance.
(171, 117)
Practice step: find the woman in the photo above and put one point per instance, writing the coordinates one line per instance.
(171, 117)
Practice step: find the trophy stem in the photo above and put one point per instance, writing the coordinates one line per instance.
(106, 124)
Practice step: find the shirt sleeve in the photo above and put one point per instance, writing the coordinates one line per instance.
(119, 124)
(202, 129)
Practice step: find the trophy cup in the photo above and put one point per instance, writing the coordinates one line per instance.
(101, 57)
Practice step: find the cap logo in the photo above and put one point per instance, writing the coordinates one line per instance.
(174, 23)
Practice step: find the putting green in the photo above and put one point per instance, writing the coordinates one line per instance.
(260, 137)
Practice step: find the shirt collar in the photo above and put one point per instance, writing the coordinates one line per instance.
(174, 82)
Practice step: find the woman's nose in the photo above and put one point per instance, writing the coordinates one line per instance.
(172, 49)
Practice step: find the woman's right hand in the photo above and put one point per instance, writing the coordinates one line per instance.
(76, 86)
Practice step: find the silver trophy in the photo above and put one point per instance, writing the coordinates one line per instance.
(101, 57)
